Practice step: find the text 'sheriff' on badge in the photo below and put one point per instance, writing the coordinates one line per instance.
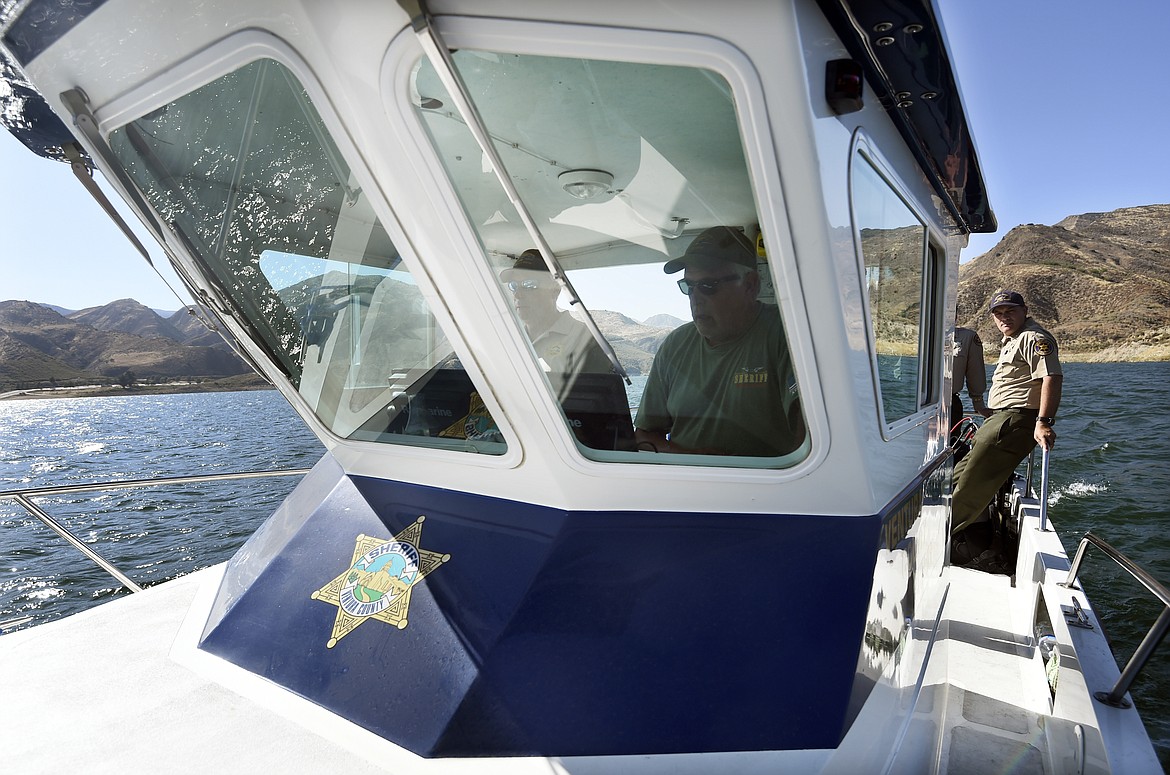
(378, 582)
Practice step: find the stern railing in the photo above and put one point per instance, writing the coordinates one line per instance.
(1116, 696)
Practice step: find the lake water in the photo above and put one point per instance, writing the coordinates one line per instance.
(151, 534)
(1109, 473)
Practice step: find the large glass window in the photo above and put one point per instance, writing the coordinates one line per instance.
(621, 166)
(245, 172)
(893, 247)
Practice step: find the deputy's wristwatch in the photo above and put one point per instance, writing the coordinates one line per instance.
(1046, 421)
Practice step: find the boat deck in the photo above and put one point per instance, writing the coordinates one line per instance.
(121, 688)
(1000, 727)
(158, 709)
(142, 696)
(166, 704)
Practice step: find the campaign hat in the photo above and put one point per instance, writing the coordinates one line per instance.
(529, 261)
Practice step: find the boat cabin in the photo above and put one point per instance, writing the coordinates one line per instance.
(442, 229)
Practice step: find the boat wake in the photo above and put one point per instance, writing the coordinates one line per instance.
(1075, 490)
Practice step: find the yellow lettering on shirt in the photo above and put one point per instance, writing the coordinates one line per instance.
(750, 378)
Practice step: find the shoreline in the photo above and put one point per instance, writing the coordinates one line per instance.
(106, 391)
(1121, 354)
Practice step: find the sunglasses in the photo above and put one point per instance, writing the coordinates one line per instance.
(705, 287)
(528, 285)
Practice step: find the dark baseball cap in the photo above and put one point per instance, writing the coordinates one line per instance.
(1006, 299)
(719, 243)
(529, 261)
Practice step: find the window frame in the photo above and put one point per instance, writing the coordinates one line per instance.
(650, 48)
(222, 58)
(933, 322)
(931, 296)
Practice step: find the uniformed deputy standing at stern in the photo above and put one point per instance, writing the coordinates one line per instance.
(1024, 398)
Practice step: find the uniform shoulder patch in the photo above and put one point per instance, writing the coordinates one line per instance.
(1043, 347)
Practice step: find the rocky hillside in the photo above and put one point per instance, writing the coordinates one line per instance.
(128, 317)
(635, 343)
(190, 325)
(39, 345)
(1100, 282)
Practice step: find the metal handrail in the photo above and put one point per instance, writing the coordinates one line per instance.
(1029, 472)
(65, 533)
(21, 497)
(1044, 492)
(1116, 696)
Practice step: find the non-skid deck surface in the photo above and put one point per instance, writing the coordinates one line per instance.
(97, 692)
(998, 728)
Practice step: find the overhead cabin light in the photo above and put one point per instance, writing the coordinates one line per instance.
(585, 184)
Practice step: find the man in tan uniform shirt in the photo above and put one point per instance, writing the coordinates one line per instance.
(1024, 398)
(967, 367)
(564, 344)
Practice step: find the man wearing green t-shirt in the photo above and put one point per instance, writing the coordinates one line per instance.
(723, 385)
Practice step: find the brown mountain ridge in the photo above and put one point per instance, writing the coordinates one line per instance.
(39, 345)
(42, 346)
(1099, 282)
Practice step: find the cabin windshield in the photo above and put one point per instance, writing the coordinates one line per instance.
(244, 172)
(620, 165)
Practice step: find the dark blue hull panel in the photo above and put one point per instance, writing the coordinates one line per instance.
(557, 633)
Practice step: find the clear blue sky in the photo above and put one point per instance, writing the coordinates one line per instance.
(1066, 100)
(1064, 104)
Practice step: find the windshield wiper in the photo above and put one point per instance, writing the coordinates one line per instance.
(440, 56)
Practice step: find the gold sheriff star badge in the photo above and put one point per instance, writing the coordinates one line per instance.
(378, 582)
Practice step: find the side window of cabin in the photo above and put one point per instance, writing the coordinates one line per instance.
(621, 165)
(246, 174)
(893, 244)
(932, 324)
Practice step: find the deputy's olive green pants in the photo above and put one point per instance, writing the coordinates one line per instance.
(1000, 444)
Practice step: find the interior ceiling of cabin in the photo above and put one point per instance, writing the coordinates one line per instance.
(667, 135)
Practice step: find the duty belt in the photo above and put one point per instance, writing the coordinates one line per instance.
(1025, 412)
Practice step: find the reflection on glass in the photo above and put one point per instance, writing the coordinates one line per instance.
(893, 244)
(661, 151)
(244, 171)
(563, 344)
